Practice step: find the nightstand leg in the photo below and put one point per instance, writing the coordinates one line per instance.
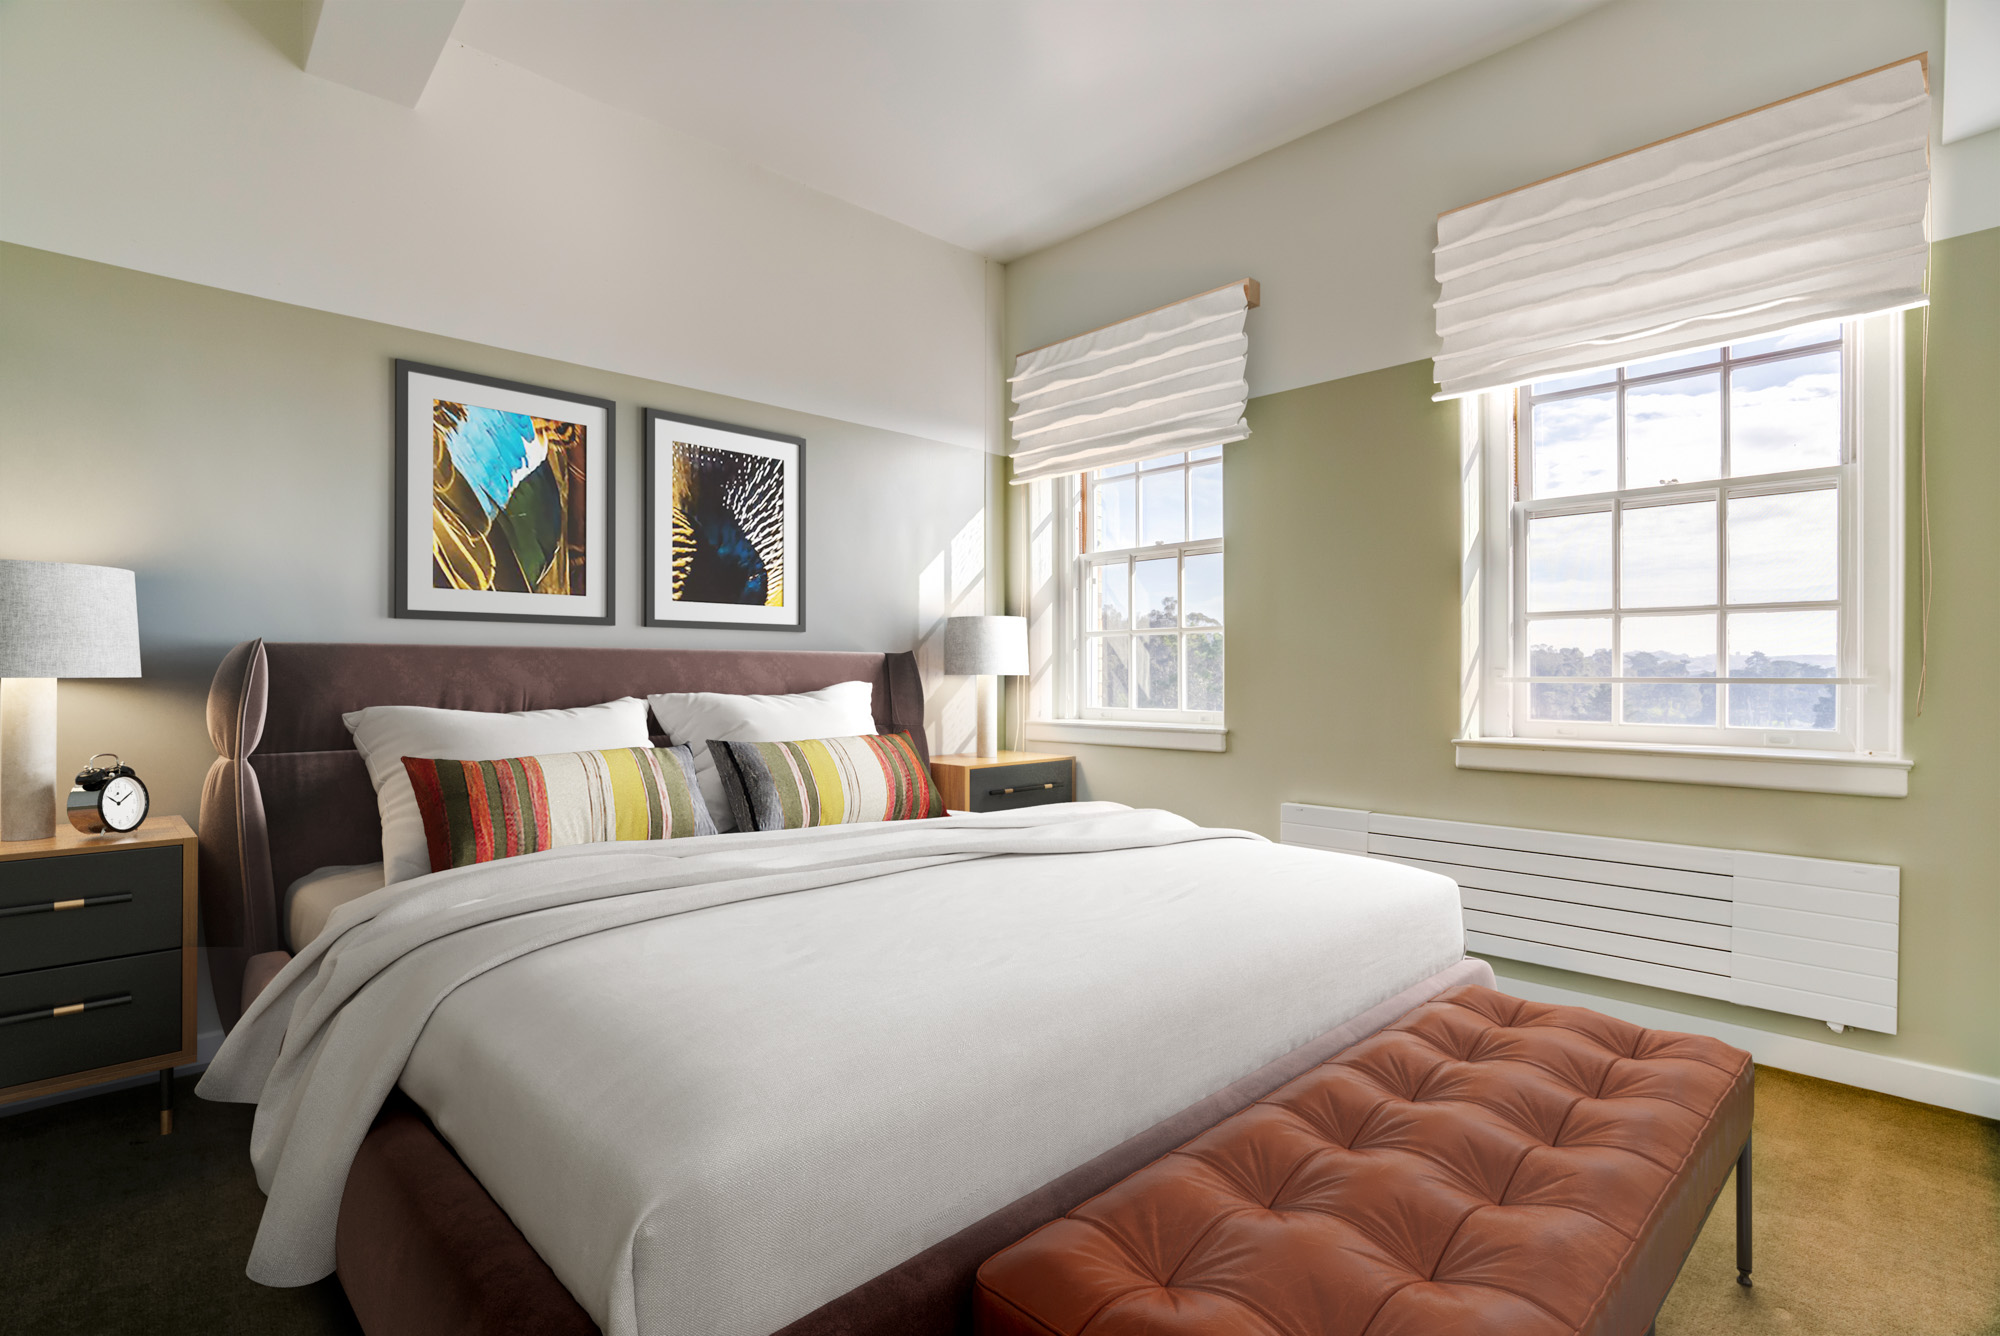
(166, 1101)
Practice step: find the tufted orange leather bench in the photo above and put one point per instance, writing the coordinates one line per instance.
(1485, 1165)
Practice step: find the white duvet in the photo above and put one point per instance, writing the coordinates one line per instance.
(720, 1081)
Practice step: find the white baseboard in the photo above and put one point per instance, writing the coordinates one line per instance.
(205, 1044)
(1946, 1087)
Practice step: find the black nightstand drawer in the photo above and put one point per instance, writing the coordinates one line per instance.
(146, 1023)
(132, 903)
(1002, 788)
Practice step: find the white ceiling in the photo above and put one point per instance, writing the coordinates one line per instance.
(998, 125)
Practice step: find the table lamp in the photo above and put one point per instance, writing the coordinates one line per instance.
(56, 620)
(984, 647)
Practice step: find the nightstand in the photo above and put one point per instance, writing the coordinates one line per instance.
(97, 959)
(1000, 783)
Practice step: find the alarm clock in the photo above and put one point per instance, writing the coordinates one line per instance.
(107, 798)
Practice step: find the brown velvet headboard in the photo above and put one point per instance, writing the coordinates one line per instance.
(288, 793)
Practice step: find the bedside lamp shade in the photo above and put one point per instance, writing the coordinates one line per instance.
(56, 620)
(975, 646)
(982, 647)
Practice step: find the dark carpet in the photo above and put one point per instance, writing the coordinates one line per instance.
(108, 1228)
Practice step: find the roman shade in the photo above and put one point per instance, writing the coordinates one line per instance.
(1159, 383)
(1808, 209)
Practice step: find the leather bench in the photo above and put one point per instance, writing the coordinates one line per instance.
(1485, 1165)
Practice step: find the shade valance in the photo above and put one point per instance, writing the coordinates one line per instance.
(1809, 209)
(1159, 383)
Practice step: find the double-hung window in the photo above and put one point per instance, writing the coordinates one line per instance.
(1126, 573)
(1695, 554)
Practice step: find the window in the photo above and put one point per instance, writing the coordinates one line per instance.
(1125, 571)
(1697, 551)
(1149, 584)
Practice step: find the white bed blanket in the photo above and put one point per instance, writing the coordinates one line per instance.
(801, 1058)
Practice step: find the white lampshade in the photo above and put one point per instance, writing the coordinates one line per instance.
(976, 646)
(58, 619)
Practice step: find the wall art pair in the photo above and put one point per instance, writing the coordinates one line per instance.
(507, 515)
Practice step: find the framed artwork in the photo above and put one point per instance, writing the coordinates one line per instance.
(725, 525)
(503, 500)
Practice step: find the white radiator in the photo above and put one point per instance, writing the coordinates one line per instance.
(1805, 936)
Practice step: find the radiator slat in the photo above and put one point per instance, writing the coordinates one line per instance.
(1808, 936)
(1715, 936)
(1603, 943)
(1571, 868)
(1701, 909)
(1604, 967)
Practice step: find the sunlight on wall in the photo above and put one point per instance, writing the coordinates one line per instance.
(1041, 612)
(953, 584)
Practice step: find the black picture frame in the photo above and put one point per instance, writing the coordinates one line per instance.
(401, 576)
(657, 474)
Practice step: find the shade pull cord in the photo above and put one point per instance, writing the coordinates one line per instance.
(1925, 575)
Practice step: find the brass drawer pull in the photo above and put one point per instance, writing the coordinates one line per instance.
(1031, 788)
(71, 1009)
(57, 906)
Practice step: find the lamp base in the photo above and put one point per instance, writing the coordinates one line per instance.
(989, 716)
(27, 758)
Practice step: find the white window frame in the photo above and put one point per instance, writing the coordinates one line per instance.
(1057, 548)
(1862, 755)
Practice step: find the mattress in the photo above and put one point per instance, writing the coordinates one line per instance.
(311, 900)
(717, 1121)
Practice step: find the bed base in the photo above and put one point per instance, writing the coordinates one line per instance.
(423, 1250)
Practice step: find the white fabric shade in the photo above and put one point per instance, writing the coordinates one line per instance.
(1157, 384)
(1809, 209)
(60, 619)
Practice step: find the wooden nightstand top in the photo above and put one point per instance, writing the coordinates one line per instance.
(966, 762)
(153, 831)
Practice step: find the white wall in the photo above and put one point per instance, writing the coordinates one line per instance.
(178, 138)
(1338, 225)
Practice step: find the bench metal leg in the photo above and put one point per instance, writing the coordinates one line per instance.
(1743, 1215)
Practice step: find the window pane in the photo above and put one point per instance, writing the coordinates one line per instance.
(1575, 445)
(1668, 647)
(1111, 517)
(1785, 415)
(1117, 471)
(1784, 644)
(1206, 452)
(1206, 502)
(1204, 670)
(1156, 678)
(1162, 517)
(1673, 362)
(1575, 382)
(1111, 671)
(1791, 338)
(1163, 461)
(1155, 593)
(1784, 548)
(1571, 647)
(1569, 562)
(1673, 431)
(1203, 575)
(1110, 604)
(1668, 556)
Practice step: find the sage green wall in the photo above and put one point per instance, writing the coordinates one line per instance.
(1343, 582)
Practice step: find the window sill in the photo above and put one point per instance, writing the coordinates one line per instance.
(1802, 771)
(1124, 733)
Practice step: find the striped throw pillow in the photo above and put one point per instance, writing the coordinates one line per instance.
(825, 782)
(479, 811)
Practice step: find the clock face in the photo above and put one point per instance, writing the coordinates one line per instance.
(123, 803)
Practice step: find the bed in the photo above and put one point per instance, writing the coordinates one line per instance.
(812, 1106)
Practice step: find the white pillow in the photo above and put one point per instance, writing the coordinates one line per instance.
(843, 710)
(385, 734)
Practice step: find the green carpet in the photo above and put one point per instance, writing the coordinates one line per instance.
(1875, 1217)
(108, 1228)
